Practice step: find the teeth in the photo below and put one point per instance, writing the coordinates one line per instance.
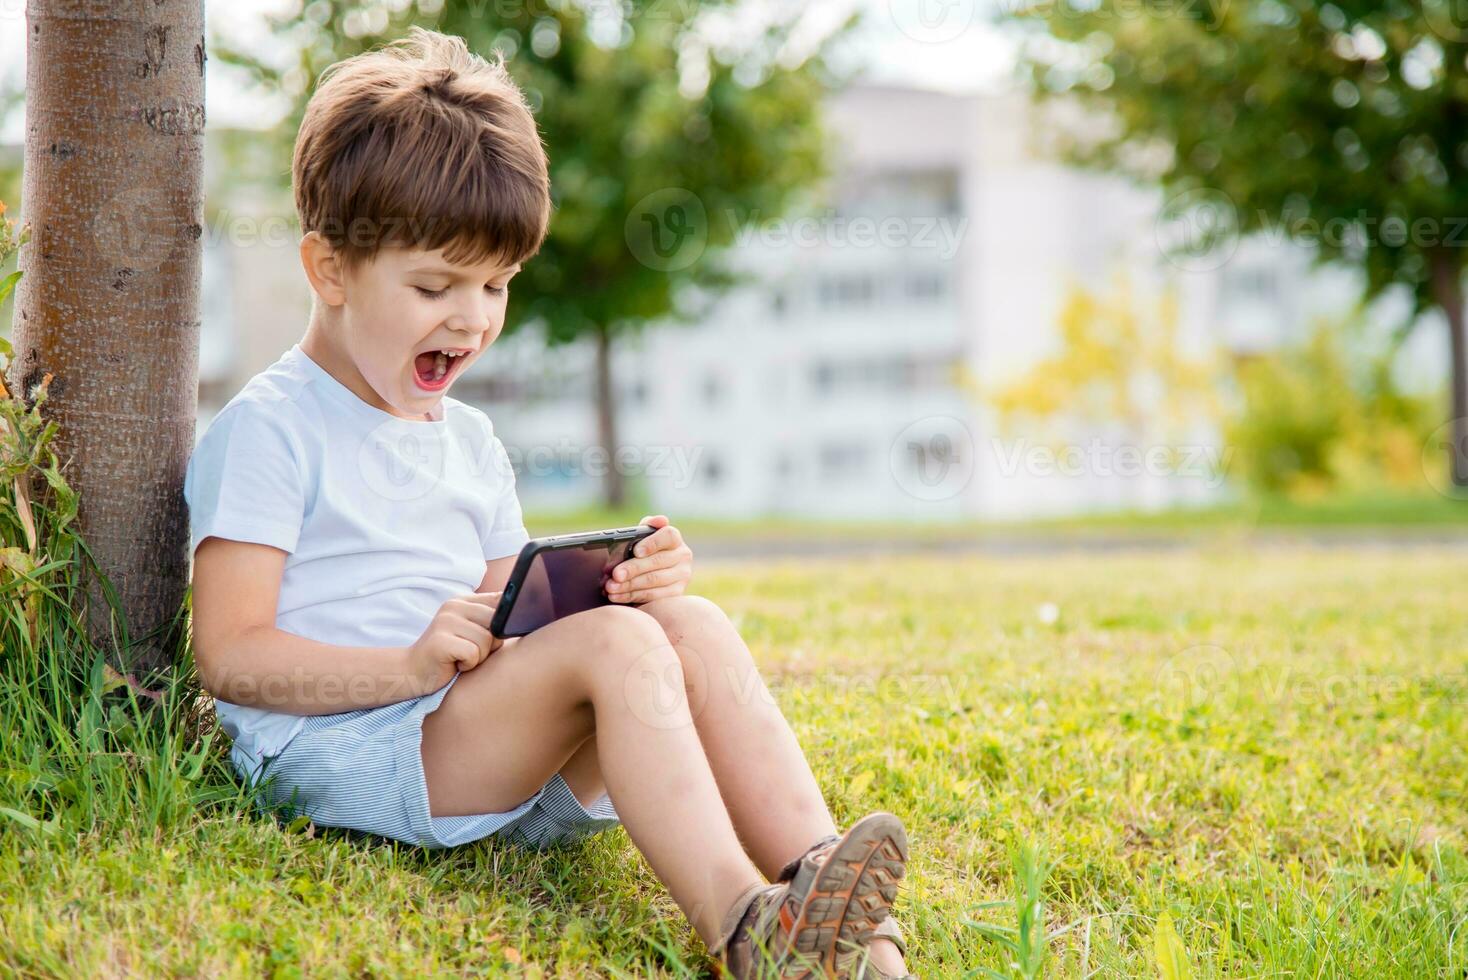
(440, 365)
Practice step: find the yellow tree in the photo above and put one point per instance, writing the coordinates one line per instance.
(1120, 362)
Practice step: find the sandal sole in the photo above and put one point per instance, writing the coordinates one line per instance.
(852, 894)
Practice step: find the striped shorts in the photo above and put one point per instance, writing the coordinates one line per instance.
(363, 770)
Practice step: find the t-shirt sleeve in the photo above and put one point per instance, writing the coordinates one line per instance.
(507, 534)
(245, 480)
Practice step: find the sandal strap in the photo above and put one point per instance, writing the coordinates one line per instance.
(734, 918)
(788, 872)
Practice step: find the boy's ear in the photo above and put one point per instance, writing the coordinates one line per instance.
(323, 269)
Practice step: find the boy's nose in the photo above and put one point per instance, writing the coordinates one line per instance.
(473, 320)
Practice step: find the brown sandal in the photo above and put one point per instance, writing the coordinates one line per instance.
(823, 908)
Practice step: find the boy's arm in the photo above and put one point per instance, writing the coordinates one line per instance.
(497, 573)
(242, 658)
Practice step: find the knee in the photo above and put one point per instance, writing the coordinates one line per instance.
(632, 669)
(686, 616)
(621, 639)
(707, 646)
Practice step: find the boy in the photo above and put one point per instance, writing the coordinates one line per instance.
(353, 528)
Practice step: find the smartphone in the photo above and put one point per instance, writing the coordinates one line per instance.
(557, 576)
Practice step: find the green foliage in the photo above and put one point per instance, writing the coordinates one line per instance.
(1172, 955)
(1309, 423)
(10, 244)
(1025, 943)
(620, 101)
(1342, 123)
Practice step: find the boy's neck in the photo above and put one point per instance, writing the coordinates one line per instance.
(319, 346)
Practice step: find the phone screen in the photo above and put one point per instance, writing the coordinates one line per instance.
(564, 581)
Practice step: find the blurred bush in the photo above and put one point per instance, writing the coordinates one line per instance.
(1320, 417)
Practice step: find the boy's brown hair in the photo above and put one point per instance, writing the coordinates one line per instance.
(422, 143)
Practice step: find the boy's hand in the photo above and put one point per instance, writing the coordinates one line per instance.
(458, 639)
(662, 566)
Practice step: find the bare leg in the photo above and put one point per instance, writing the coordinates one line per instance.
(773, 797)
(505, 727)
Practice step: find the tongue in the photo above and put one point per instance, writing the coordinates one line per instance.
(423, 364)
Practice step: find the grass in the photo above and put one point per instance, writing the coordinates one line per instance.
(1386, 512)
(1242, 763)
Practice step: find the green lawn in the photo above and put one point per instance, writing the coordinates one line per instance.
(1391, 514)
(1269, 747)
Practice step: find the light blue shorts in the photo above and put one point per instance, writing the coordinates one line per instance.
(363, 770)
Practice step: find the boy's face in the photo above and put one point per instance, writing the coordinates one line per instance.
(413, 322)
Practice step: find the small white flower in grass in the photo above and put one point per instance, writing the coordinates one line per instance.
(1048, 613)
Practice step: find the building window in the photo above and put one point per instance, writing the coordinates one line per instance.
(926, 286)
(713, 390)
(713, 470)
(846, 292)
(843, 460)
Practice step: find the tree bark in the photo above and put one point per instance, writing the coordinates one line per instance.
(109, 304)
(614, 486)
(1447, 288)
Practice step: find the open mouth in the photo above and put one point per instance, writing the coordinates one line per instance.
(434, 370)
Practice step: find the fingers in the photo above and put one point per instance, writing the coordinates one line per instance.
(632, 568)
(651, 584)
(468, 618)
(647, 595)
(667, 575)
(655, 520)
(475, 611)
(666, 538)
(468, 652)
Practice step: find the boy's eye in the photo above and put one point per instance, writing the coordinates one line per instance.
(438, 293)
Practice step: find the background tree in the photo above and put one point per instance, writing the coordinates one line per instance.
(109, 304)
(663, 137)
(1344, 125)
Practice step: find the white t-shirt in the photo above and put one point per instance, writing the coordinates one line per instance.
(384, 518)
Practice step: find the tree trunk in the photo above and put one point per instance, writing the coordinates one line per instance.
(614, 487)
(1447, 288)
(109, 304)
